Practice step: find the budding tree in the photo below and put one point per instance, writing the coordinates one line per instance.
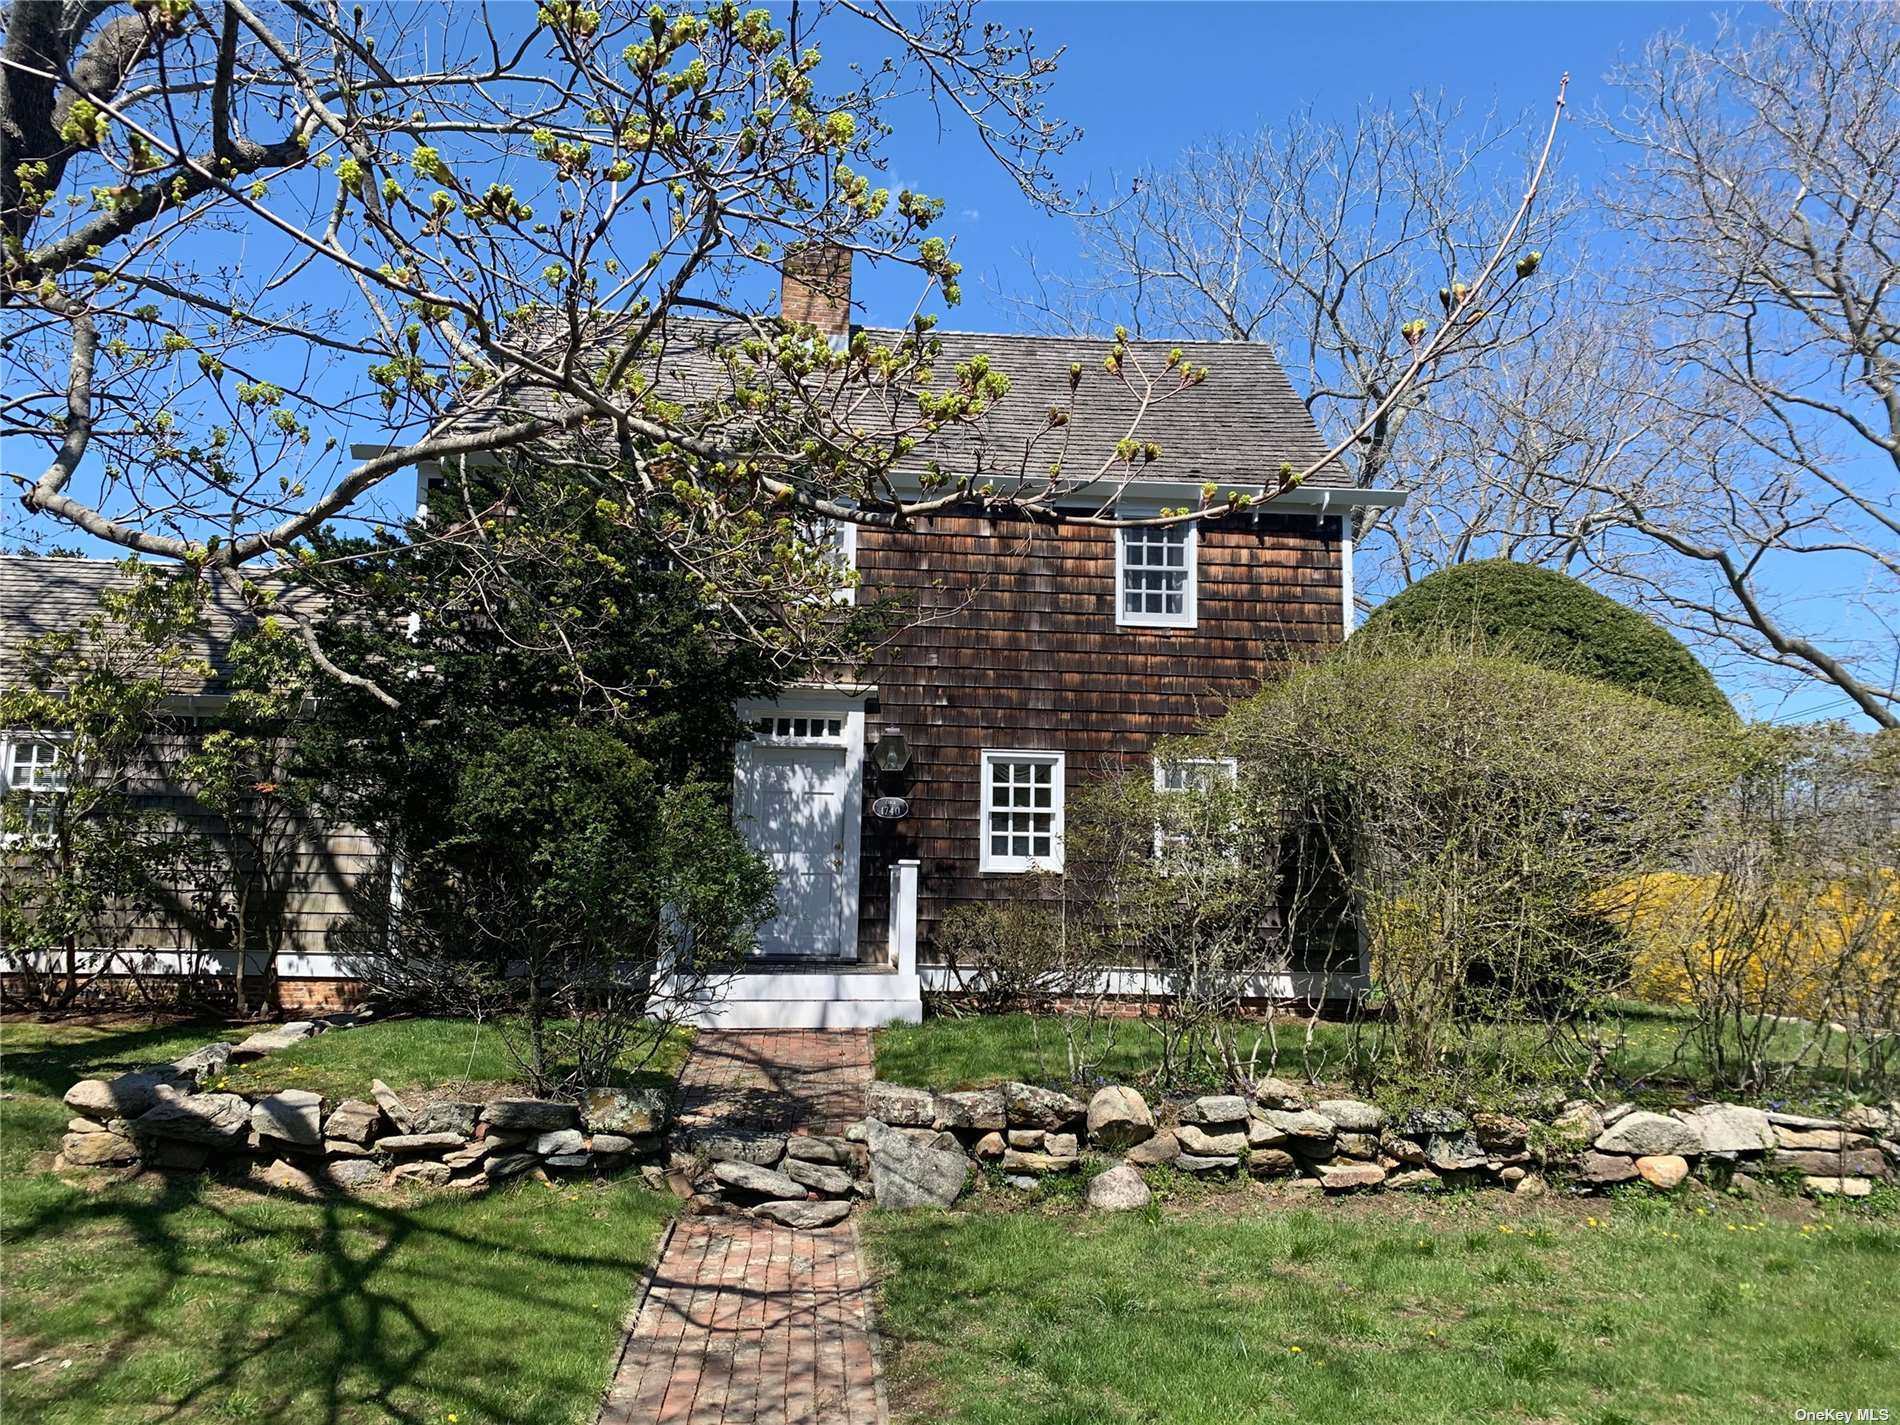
(1340, 243)
(262, 257)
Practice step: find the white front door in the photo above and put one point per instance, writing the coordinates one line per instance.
(796, 795)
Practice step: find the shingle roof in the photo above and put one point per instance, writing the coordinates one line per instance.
(53, 594)
(1234, 429)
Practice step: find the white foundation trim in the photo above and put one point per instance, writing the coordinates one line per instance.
(1296, 985)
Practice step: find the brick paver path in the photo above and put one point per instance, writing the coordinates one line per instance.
(747, 1323)
(779, 1079)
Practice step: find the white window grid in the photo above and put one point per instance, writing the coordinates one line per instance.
(1175, 776)
(1156, 575)
(1022, 811)
(34, 774)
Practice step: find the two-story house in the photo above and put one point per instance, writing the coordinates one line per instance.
(1036, 655)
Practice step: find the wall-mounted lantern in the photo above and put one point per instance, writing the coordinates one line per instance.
(891, 755)
(891, 752)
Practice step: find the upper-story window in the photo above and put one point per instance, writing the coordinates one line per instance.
(840, 538)
(1154, 576)
(31, 777)
(1022, 811)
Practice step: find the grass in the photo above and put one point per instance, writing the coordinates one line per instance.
(431, 1054)
(945, 1053)
(1461, 1311)
(193, 1300)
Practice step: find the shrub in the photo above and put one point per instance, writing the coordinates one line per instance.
(1473, 806)
(576, 896)
(1181, 884)
(1020, 954)
(1553, 620)
(1800, 962)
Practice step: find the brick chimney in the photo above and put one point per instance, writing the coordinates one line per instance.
(815, 287)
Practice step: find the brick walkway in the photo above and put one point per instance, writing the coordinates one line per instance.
(746, 1323)
(780, 1080)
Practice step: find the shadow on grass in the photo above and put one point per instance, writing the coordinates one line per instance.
(208, 1298)
(51, 1067)
(225, 1300)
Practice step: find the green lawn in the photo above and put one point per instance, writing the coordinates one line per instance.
(1469, 1310)
(429, 1054)
(948, 1052)
(191, 1300)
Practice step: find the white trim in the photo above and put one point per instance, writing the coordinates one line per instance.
(1169, 492)
(1187, 618)
(1276, 985)
(901, 918)
(1348, 596)
(161, 962)
(847, 593)
(857, 691)
(1231, 765)
(1149, 495)
(991, 864)
(847, 710)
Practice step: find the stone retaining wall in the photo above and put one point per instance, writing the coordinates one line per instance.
(1338, 1145)
(914, 1148)
(173, 1117)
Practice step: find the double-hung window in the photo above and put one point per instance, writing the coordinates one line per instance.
(835, 543)
(31, 778)
(840, 537)
(1155, 576)
(1182, 777)
(1022, 811)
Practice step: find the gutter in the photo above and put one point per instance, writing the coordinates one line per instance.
(1314, 499)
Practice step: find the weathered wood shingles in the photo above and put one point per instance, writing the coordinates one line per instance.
(1010, 641)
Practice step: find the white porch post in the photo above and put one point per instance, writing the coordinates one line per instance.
(903, 918)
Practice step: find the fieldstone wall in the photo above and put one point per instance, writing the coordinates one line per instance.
(915, 1148)
(796, 1180)
(920, 1146)
(172, 1117)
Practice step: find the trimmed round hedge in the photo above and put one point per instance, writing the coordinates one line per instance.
(1554, 620)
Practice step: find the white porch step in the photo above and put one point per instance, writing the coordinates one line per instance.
(806, 1014)
(813, 996)
(785, 983)
(818, 994)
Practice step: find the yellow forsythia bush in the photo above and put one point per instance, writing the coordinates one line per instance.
(1812, 951)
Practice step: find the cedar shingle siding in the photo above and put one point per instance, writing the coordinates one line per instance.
(1017, 647)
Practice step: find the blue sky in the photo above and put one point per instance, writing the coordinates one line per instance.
(1144, 81)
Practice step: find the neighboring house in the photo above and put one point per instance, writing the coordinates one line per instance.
(318, 869)
(1035, 656)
